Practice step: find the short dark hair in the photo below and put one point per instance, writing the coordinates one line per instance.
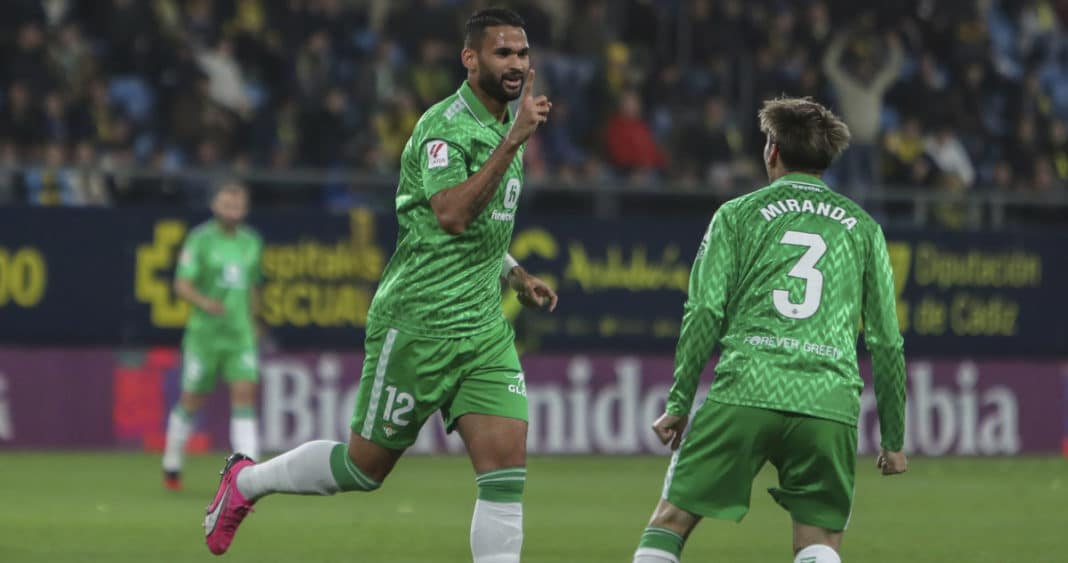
(489, 17)
(809, 136)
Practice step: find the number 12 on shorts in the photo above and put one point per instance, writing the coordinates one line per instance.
(397, 406)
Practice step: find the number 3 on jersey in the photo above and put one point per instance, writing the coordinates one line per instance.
(804, 269)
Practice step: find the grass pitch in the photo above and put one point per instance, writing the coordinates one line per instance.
(67, 507)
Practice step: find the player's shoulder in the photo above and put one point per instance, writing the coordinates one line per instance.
(250, 234)
(201, 230)
(447, 119)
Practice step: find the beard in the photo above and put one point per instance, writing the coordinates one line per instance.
(493, 85)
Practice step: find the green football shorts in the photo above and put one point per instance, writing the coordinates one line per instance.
(203, 359)
(712, 472)
(407, 378)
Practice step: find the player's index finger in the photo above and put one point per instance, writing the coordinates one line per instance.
(528, 88)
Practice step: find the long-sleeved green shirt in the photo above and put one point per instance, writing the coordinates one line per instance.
(782, 281)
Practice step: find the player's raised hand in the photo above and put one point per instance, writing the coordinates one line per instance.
(669, 429)
(892, 463)
(532, 112)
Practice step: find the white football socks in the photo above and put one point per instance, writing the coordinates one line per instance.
(179, 429)
(653, 555)
(320, 467)
(243, 434)
(497, 532)
(303, 470)
(817, 553)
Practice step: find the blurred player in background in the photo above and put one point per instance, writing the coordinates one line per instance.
(218, 273)
(436, 335)
(782, 280)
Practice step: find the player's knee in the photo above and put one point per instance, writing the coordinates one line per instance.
(243, 394)
(192, 402)
(375, 469)
(502, 485)
(371, 459)
(671, 517)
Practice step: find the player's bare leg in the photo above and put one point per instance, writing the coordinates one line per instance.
(498, 450)
(665, 535)
(375, 461)
(179, 429)
(243, 433)
(813, 544)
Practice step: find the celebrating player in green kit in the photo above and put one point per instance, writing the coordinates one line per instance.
(782, 280)
(436, 336)
(218, 271)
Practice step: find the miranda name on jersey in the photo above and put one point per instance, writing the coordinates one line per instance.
(782, 206)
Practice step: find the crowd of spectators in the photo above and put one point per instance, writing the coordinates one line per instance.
(952, 95)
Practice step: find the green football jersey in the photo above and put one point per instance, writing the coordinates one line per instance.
(782, 281)
(225, 268)
(437, 284)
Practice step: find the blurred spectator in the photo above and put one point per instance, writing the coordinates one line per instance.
(587, 36)
(226, 85)
(432, 78)
(55, 127)
(948, 155)
(903, 148)
(1003, 178)
(1023, 147)
(50, 183)
(11, 181)
(337, 83)
(21, 121)
(860, 90)
(557, 140)
(914, 95)
(27, 63)
(129, 29)
(333, 125)
(629, 143)
(315, 64)
(393, 125)
(88, 181)
(71, 61)
(1058, 149)
(709, 147)
(381, 77)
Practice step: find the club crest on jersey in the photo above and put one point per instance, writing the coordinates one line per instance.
(437, 154)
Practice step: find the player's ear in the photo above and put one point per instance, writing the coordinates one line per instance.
(469, 58)
(772, 156)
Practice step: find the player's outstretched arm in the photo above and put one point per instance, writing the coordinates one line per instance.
(883, 340)
(456, 207)
(702, 321)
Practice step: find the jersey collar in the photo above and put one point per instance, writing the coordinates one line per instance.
(802, 178)
(479, 111)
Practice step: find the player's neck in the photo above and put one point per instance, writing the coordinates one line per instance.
(495, 107)
(778, 174)
(227, 229)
